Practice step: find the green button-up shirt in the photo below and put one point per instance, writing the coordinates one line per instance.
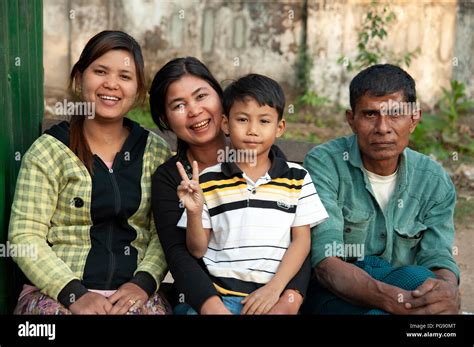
(416, 226)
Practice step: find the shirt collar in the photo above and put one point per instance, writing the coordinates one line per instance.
(278, 167)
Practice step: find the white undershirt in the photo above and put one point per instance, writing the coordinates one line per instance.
(382, 186)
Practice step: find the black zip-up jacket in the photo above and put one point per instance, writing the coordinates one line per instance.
(91, 231)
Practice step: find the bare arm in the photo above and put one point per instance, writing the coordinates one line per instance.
(264, 299)
(197, 237)
(192, 197)
(293, 258)
(190, 280)
(357, 287)
(446, 275)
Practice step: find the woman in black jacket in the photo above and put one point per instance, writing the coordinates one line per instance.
(82, 200)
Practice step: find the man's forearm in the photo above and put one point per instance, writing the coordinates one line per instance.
(354, 285)
(446, 275)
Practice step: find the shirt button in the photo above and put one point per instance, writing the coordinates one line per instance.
(347, 229)
(254, 191)
(78, 202)
(382, 236)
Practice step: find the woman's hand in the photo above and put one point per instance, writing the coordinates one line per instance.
(261, 301)
(189, 191)
(91, 303)
(128, 297)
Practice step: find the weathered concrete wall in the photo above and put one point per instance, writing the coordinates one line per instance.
(464, 46)
(427, 25)
(237, 37)
(56, 44)
(233, 38)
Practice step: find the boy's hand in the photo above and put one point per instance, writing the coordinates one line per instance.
(261, 301)
(189, 191)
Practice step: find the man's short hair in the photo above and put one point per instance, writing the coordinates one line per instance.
(263, 89)
(380, 80)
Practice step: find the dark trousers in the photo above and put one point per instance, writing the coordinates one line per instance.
(319, 300)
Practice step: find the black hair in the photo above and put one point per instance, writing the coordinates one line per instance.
(169, 73)
(263, 89)
(380, 80)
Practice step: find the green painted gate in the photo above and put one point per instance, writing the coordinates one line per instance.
(21, 112)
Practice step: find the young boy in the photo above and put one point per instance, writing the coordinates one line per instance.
(249, 217)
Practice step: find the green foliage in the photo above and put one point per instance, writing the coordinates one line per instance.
(370, 36)
(453, 103)
(142, 115)
(311, 98)
(298, 135)
(303, 71)
(463, 210)
(307, 96)
(441, 134)
(304, 62)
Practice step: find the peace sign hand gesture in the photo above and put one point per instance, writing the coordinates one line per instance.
(189, 191)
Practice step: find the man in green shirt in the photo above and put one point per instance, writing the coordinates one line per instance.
(387, 245)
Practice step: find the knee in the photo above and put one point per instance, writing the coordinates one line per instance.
(417, 271)
(409, 277)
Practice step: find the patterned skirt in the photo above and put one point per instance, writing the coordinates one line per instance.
(36, 303)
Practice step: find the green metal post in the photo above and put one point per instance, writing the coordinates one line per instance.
(21, 111)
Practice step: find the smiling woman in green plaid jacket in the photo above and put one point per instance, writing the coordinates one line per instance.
(83, 196)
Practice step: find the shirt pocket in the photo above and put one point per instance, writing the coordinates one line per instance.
(356, 224)
(406, 243)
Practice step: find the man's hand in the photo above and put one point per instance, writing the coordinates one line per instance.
(289, 303)
(128, 297)
(396, 300)
(91, 303)
(435, 296)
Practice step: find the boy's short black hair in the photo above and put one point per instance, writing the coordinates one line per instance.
(380, 80)
(263, 89)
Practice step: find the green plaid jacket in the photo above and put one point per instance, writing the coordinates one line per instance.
(43, 215)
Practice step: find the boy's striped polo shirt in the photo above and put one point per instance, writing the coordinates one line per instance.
(251, 221)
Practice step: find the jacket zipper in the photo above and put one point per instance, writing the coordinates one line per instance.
(118, 202)
(117, 199)
(111, 258)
